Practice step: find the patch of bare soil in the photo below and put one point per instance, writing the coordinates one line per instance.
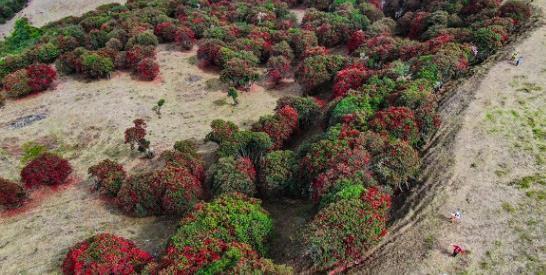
(289, 220)
(488, 160)
(85, 122)
(41, 12)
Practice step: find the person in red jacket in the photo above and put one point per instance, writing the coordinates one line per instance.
(457, 250)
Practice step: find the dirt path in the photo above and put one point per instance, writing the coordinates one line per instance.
(489, 161)
(41, 12)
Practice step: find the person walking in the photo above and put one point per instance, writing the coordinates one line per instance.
(457, 249)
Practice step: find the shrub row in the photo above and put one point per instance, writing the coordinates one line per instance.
(171, 189)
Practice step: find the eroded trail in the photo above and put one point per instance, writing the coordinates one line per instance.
(491, 155)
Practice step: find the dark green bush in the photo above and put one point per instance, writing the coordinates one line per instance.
(277, 175)
(96, 66)
(234, 175)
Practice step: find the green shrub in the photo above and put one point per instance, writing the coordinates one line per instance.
(344, 189)
(230, 217)
(343, 230)
(31, 151)
(278, 174)
(146, 38)
(353, 104)
(234, 175)
(47, 53)
(23, 36)
(96, 66)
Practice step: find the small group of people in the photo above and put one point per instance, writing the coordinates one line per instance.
(456, 217)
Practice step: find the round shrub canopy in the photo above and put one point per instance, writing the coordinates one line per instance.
(105, 254)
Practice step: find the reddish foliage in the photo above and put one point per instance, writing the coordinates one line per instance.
(185, 38)
(245, 166)
(312, 51)
(166, 31)
(398, 122)
(109, 176)
(11, 193)
(47, 169)
(209, 51)
(105, 254)
(345, 164)
(351, 77)
(376, 199)
(136, 54)
(279, 127)
(40, 77)
(147, 69)
(356, 40)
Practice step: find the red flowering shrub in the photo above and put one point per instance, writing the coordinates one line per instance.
(47, 169)
(185, 38)
(234, 175)
(212, 255)
(397, 122)
(105, 254)
(170, 190)
(11, 193)
(351, 77)
(40, 77)
(312, 51)
(278, 68)
(356, 40)
(279, 127)
(317, 71)
(133, 56)
(16, 84)
(329, 35)
(346, 164)
(109, 176)
(209, 51)
(341, 232)
(307, 108)
(165, 31)
(379, 50)
(147, 69)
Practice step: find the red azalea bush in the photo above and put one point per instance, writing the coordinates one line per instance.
(356, 40)
(279, 127)
(47, 169)
(35, 78)
(109, 176)
(317, 71)
(171, 190)
(213, 255)
(147, 69)
(278, 68)
(11, 193)
(184, 38)
(40, 77)
(209, 51)
(105, 254)
(351, 77)
(165, 31)
(342, 231)
(239, 73)
(16, 84)
(397, 122)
